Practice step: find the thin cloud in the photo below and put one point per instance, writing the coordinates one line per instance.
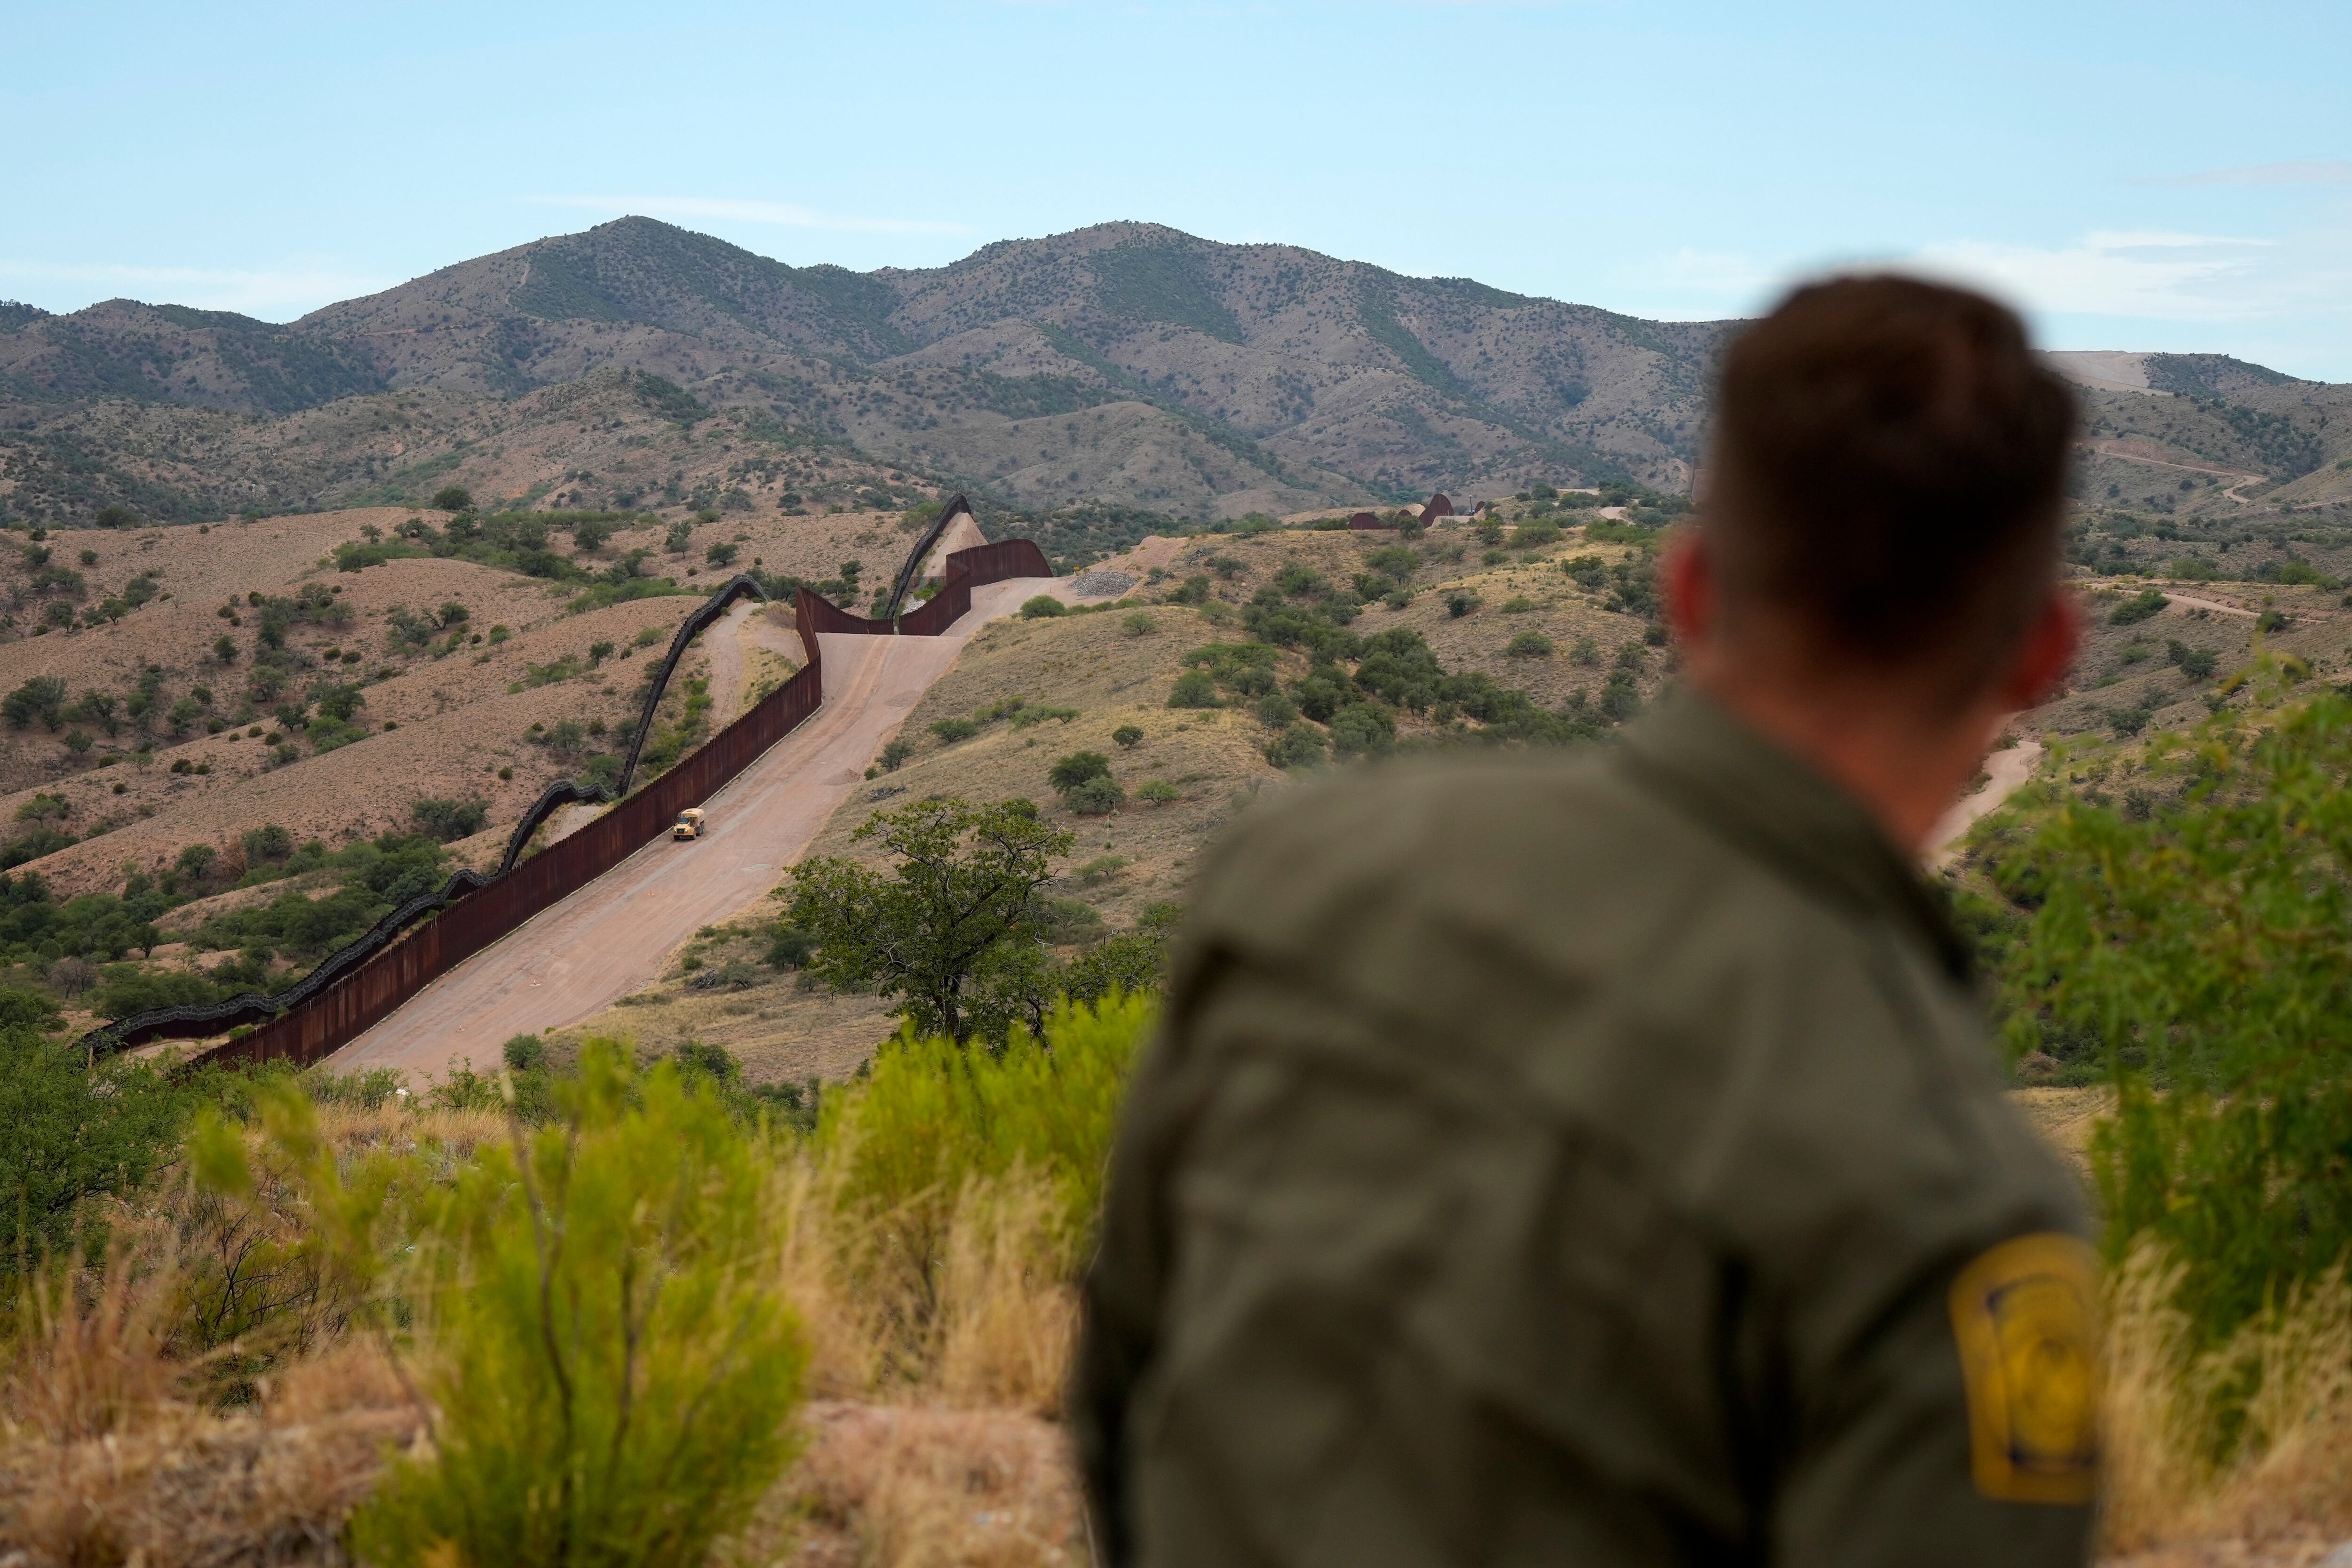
(2159, 276)
(2303, 172)
(727, 209)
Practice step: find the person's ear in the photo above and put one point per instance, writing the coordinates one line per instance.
(2045, 654)
(1687, 574)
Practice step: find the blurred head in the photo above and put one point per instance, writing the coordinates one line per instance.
(1884, 492)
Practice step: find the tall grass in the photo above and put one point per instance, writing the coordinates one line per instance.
(938, 1217)
(2248, 1440)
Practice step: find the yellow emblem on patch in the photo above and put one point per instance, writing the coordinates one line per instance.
(2026, 1317)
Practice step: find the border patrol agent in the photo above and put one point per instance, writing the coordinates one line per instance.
(1600, 1160)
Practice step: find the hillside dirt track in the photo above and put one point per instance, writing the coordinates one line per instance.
(613, 937)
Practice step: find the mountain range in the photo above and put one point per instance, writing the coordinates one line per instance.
(1125, 363)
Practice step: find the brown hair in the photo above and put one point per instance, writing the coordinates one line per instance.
(1887, 472)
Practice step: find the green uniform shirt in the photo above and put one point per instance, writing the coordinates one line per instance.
(1571, 1160)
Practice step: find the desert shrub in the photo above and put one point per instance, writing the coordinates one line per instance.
(453, 498)
(1275, 710)
(1043, 607)
(894, 755)
(950, 731)
(1362, 728)
(1127, 736)
(521, 1053)
(74, 1132)
(1159, 792)
(1096, 797)
(789, 947)
(1102, 869)
(2128, 721)
(2209, 949)
(1068, 773)
(1461, 603)
(1193, 590)
(450, 820)
(2139, 608)
(1299, 745)
(2196, 663)
(1529, 645)
(1536, 534)
(1193, 689)
(1137, 624)
(933, 1116)
(270, 842)
(42, 698)
(612, 1371)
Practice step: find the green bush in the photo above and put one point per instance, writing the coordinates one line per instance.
(790, 947)
(1529, 645)
(1362, 728)
(934, 1114)
(1193, 690)
(614, 1371)
(452, 498)
(1077, 768)
(1096, 797)
(2139, 608)
(1041, 607)
(950, 731)
(1159, 792)
(2209, 950)
(73, 1134)
(450, 820)
(1299, 745)
(1127, 736)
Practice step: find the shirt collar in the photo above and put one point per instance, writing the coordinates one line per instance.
(1782, 811)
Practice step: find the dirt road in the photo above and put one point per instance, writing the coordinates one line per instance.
(612, 937)
(2006, 772)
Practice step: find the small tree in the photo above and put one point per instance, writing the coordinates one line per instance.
(949, 926)
(450, 820)
(453, 498)
(2207, 947)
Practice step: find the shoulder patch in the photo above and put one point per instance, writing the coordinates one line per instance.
(2025, 1315)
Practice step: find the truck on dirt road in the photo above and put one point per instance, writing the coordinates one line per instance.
(688, 824)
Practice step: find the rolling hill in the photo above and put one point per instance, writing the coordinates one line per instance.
(1127, 364)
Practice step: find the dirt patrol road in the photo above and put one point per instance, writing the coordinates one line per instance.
(612, 937)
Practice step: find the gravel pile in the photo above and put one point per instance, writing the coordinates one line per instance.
(1102, 585)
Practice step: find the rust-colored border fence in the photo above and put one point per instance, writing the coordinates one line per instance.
(369, 987)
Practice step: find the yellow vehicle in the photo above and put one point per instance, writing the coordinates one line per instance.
(688, 824)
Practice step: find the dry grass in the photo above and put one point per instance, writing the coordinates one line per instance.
(906, 1487)
(131, 1434)
(2288, 1480)
(107, 1456)
(939, 1335)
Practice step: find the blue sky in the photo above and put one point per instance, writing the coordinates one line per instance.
(2151, 176)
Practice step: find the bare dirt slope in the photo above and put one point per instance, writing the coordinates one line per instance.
(440, 721)
(612, 937)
